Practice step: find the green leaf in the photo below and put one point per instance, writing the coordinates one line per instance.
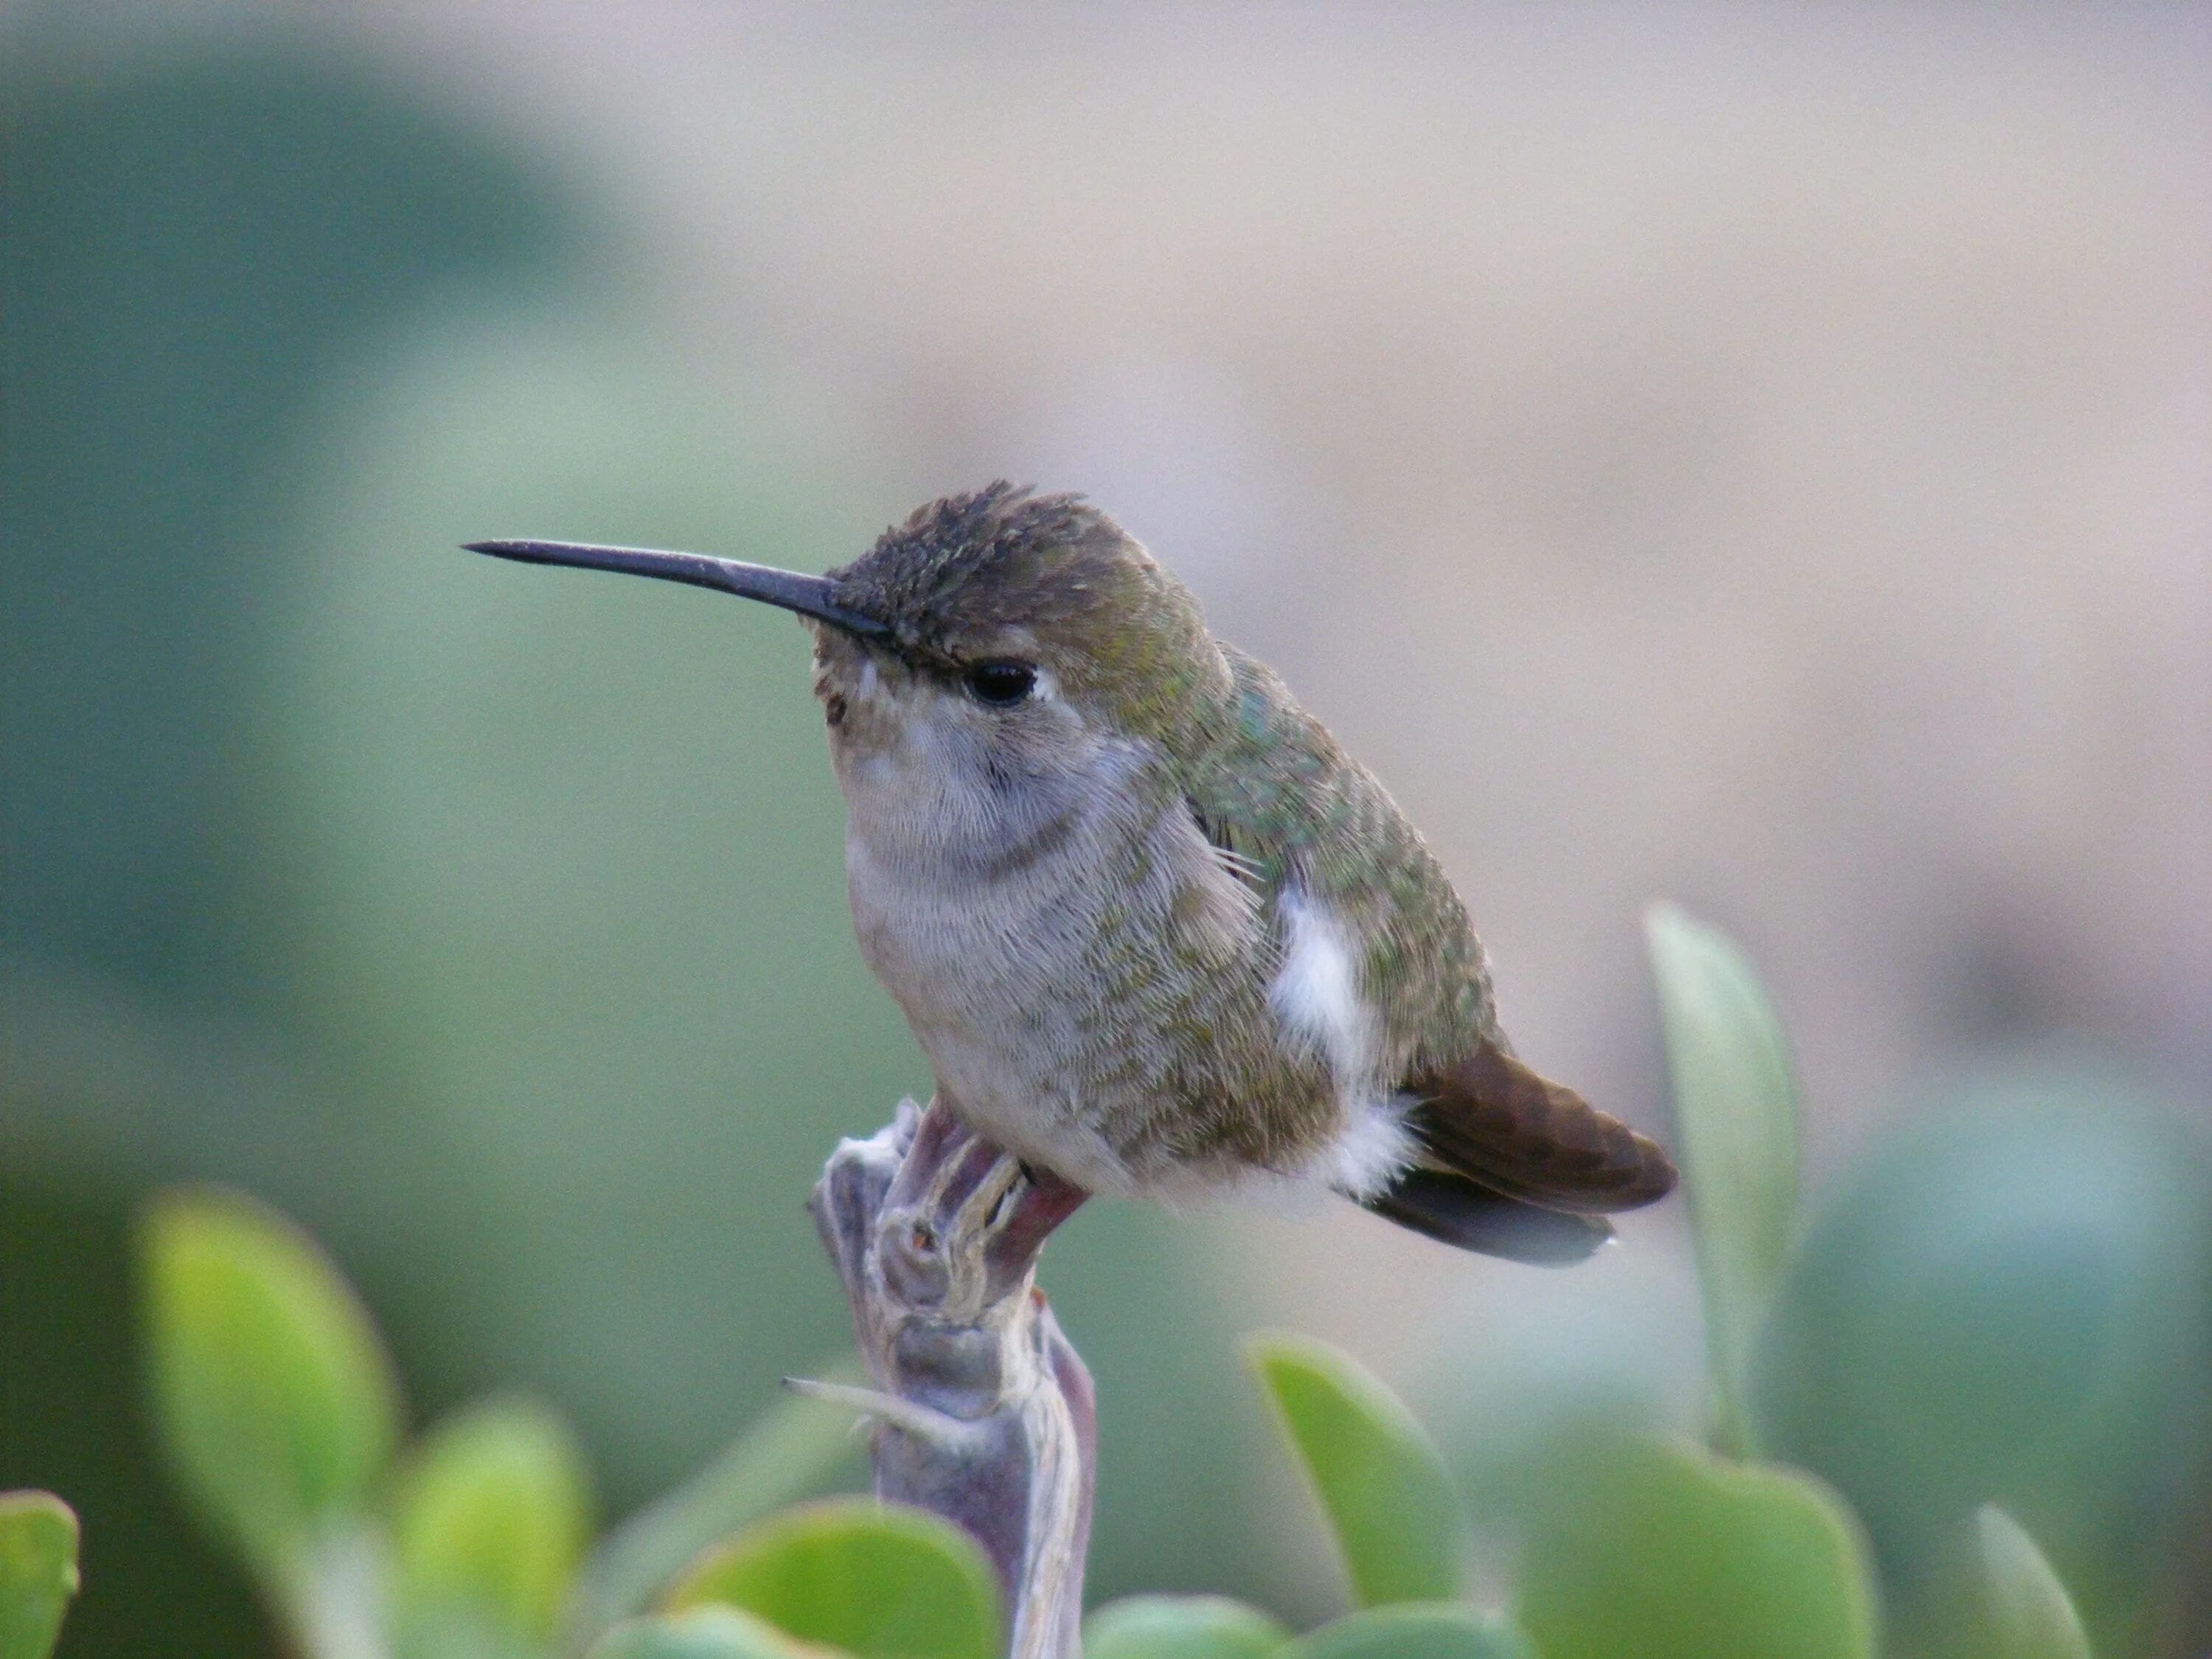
(787, 1449)
(2010, 1303)
(881, 1580)
(1657, 1549)
(1400, 1523)
(2032, 1615)
(704, 1633)
(1416, 1631)
(1180, 1627)
(1736, 1126)
(275, 1400)
(38, 1571)
(492, 1513)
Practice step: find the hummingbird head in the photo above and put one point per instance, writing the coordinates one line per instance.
(1032, 650)
(1027, 613)
(994, 653)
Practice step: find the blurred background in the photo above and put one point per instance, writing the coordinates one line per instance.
(1761, 457)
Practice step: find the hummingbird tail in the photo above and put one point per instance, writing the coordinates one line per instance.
(1456, 1211)
(1493, 1120)
(1514, 1165)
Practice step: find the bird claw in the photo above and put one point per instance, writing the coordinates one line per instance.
(959, 1227)
(849, 1197)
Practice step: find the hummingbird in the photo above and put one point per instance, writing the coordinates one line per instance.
(1154, 930)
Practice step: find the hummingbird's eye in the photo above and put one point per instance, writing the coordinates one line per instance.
(1001, 684)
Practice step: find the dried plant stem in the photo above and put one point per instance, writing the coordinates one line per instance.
(983, 1412)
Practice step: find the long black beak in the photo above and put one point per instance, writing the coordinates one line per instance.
(810, 596)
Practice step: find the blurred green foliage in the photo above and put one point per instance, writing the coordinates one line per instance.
(1661, 1550)
(781, 1455)
(279, 1414)
(2012, 1304)
(1399, 1523)
(1735, 1131)
(2031, 1615)
(38, 1571)
(867, 1579)
(491, 1516)
(275, 1399)
(194, 239)
(1414, 1631)
(279, 1410)
(1180, 1627)
(715, 1632)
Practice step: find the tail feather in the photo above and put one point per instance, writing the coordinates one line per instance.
(1513, 1165)
(1455, 1211)
(1493, 1120)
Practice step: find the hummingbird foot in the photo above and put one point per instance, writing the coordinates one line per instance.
(983, 1412)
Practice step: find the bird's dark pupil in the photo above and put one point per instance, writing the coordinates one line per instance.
(1001, 683)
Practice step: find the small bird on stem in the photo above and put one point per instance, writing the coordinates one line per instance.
(1154, 931)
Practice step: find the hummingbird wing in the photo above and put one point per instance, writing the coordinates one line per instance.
(1493, 1120)
(1509, 1164)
